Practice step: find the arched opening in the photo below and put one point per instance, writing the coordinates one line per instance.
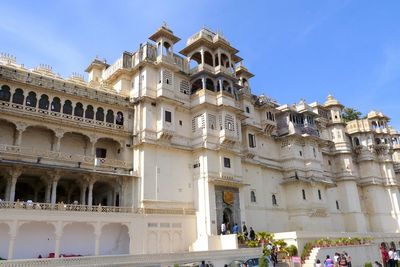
(5, 94)
(103, 193)
(37, 137)
(75, 144)
(197, 85)
(110, 116)
(78, 111)
(208, 58)
(67, 108)
(195, 60)
(274, 202)
(100, 114)
(120, 118)
(210, 84)
(227, 218)
(216, 61)
(7, 133)
(374, 125)
(44, 102)
(377, 141)
(253, 198)
(89, 112)
(78, 239)
(226, 87)
(167, 49)
(114, 239)
(224, 60)
(18, 97)
(356, 141)
(68, 191)
(43, 235)
(31, 99)
(245, 83)
(4, 233)
(56, 104)
(107, 148)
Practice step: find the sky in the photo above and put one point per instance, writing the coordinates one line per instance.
(299, 49)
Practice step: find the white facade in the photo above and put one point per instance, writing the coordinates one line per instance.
(155, 151)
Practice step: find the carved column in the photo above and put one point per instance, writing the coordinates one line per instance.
(83, 193)
(202, 56)
(220, 85)
(203, 82)
(93, 141)
(58, 235)
(14, 174)
(131, 246)
(20, 128)
(7, 192)
(56, 178)
(97, 233)
(91, 180)
(59, 134)
(11, 244)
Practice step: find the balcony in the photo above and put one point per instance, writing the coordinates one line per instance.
(33, 155)
(228, 137)
(268, 126)
(165, 90)
(47, 114)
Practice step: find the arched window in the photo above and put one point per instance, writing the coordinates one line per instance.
(226, 86)
(56, 105)
(31, 99)
(274, 202)
(110, 116)
(18, 97)
(78, 111)
(210, 84)
(120, 118)
(208, 58)
(100, 114)
(195, 60)
(89, 113)
(67, 108)
(356, 141)
(253, 196)
(224, 60)
(197, 85)
(44, 102)
(5, 94)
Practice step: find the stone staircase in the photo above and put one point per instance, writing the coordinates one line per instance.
(310, 262)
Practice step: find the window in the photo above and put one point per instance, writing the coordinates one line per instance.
(56, 105)
(5, 94)
(304, 194)
(274, 202)
(78, 111)
(101, 153)
(18, 97)
(168, 116)
(247, 109)
(329, 162)
(315, 152)
(67, 108)
(252, 140)
(253, 196)
(31, 100)
(100, 114)
(319, 195)
(227, 162)
(300, 153)
(44, 102)
(180, 122)
(110, 116)
(120, 118)
(337, 205)
(89, 113)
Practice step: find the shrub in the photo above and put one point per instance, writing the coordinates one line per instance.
(306, 250)
(252, 243)
(292, 250)
(368, 264)
(262, 262)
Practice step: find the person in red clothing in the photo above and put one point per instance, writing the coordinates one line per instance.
(384, 255)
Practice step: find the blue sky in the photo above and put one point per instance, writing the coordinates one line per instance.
(297, 49)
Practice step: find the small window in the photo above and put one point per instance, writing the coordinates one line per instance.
(253, 198)
(274, 202)
(300, 153)
(227, 162)
(329, 162)
(304, 194)
(252, 140)
(168, 116)
(337, 205)
(319, 195)
(180, 122)
(247, 109)
(101, 153)
(315, 152)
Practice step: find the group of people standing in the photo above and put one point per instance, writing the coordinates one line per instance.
(225, 229)
(339, 260)
(389, 257)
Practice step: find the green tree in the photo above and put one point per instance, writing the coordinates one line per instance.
(350, 114)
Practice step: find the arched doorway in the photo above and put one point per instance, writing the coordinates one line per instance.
(227, 219)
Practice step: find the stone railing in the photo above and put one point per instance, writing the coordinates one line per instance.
(64, 207)
(54, 155)
(169, 259)
(52, 114)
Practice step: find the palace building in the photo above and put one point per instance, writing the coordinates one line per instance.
(154, 152)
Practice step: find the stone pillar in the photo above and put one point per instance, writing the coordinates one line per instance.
(220, 85)
(48, 191)
(58, 137)
(7, 192)
(219, 58)
(93, 141)
(56, 177)
(58, 235)
(202, 56)
(83, 193)
(14, 174)
(97, 233)
(131, 246)
(11, 244)
(20, 128)
(203, 82)
(91, 180)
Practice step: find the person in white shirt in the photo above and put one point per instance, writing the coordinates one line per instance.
(391, 257)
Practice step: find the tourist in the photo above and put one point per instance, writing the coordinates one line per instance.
(328, 261)
(336, 259)
(384, 254)
(203, 264)
(378, 264)
(223, 229)
(252, 234)
(342, 261)
(245, 231)
(391, 257)
(318, 263)
(235, 229)
(348, 257)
